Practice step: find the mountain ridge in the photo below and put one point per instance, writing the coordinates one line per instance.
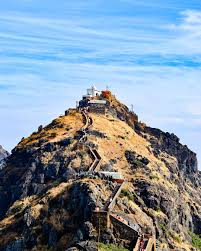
(49, 169)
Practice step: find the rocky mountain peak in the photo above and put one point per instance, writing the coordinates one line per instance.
(3, 153)
(97, 174)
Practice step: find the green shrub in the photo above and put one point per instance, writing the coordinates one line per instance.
(164, 228)
(110, 247)
(52, 135)
(136, 160)
(196, 240)
(56, 182)
(128, 194)
(121, 137)
(154, 176)
(177, 238)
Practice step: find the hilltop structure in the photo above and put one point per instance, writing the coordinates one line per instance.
(95, 100)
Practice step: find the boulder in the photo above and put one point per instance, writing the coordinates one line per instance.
(17, 245)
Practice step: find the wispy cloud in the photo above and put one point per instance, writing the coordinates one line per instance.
(188, 32)
(126, 39)
(148, 52)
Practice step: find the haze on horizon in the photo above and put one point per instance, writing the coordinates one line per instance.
(148, 52)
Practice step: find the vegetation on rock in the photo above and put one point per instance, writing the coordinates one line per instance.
(110, 247)
(196, 240)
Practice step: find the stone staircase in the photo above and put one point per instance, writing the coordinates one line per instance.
(95, 167)
(143, 243)
(88, 123)
(112, 199)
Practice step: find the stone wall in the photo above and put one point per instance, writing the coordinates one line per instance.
(101, 220)
(97, 109)
(123, 230)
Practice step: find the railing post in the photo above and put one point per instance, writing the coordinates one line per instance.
(108, 220)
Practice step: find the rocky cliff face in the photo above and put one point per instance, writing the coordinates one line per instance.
(48, 194)
(3, 155)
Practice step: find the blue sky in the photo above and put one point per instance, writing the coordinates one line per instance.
(148, 52)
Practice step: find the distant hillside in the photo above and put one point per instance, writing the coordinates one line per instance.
(3, 155)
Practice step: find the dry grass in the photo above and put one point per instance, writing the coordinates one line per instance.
(7, 221)
(121, 137)
(64, 126)
(140, 217)
(57, 218)
(54, 192)
(34, 211)
(8, 237)
(34, 203)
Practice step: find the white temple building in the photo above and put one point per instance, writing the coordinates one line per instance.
(92, 92)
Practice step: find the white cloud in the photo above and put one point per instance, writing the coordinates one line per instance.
(192, 17)
(50, 61)
(103, 37)
(187, 33)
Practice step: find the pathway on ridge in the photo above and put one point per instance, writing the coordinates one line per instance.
(142, 244)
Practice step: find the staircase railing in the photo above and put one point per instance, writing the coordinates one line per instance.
(151, 244)
(137, 245)
(112, 200)
(88, 123)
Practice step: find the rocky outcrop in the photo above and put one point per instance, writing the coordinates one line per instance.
(16, 245)
(3, 155)
(48, 194)
(160, 141)
(122, 112)
(136, 160)
(33, 169)
(48, 218)
(170, 143)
